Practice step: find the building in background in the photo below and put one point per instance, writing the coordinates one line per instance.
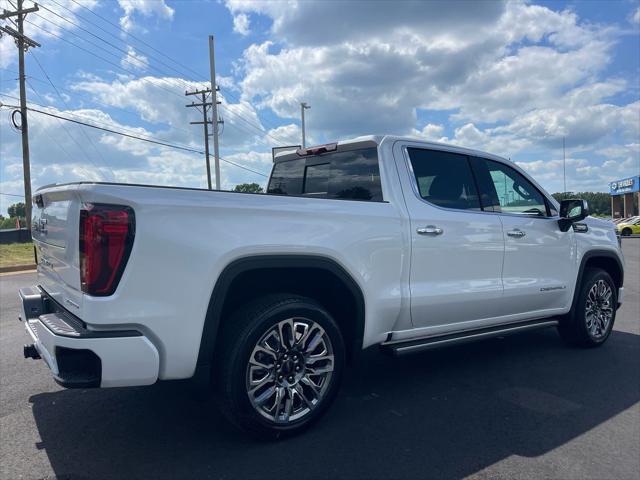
(623, 204)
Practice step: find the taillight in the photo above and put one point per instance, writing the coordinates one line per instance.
(106, 238)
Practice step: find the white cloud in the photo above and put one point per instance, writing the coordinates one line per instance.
(135, 60)
(146, 8)
(635, 16)
(431, 132)
(323, 23)
(485, 66)
(241, 24)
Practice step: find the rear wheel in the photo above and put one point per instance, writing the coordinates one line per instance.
(280, 365)
(591, 321)
(626, 232)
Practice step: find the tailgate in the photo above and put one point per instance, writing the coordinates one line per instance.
(55, 231)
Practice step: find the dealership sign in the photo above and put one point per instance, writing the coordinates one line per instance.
(626, 185)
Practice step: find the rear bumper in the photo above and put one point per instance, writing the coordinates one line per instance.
(80, 357)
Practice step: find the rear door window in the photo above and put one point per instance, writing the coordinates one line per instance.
(348, 175)
(444, 179)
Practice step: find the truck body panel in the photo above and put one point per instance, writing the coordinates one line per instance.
(423, 269)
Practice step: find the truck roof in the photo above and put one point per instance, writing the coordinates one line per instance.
(378, 139)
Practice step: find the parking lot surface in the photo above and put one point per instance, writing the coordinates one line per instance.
(524, 406)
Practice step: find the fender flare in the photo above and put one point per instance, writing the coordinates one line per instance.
(244, 264)
(583, 263)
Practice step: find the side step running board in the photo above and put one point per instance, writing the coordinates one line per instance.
(405, 347)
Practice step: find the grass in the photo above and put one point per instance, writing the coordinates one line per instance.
(16, 254)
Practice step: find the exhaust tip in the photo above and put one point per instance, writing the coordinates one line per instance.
(30, 351)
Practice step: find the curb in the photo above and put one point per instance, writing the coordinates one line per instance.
(18, 268)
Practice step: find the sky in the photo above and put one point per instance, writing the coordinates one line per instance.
(510, 78)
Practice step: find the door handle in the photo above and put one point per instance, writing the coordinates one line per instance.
(516, 232)
(430, 230)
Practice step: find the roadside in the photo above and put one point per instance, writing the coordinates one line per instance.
(16, 257)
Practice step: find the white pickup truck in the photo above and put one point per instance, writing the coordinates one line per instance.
(379, 240)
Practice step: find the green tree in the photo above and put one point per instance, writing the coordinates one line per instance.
(248, 188)
(9, 223)
(17, 210)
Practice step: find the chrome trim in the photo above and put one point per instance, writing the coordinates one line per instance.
(414, 183)
(464, 337)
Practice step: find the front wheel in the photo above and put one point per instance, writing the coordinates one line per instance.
(591, 321)
(626, 232)
(280, 365)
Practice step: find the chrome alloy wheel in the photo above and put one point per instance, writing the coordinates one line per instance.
(599, 309)
(290, 370)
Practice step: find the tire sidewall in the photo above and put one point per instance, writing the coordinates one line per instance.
(247, 341)
(591, 277)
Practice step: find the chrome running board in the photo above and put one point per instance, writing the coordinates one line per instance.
(406, 347)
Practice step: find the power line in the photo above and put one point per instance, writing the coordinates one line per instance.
(128, 34)
(73, 114)
(144, 79)
(23, 43)
(73, 139)
(106, 105)
(126, 52)
(149, 140)
(261, 131)
(12, 195)
(66, 103)
(240, 104)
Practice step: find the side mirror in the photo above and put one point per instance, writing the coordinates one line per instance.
(572, 210)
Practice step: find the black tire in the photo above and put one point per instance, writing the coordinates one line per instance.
(626, 232)
(574, 328)
(241, 333)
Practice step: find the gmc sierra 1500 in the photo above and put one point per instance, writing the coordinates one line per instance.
(379, 240)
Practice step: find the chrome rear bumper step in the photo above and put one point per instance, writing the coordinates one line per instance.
(406, 347)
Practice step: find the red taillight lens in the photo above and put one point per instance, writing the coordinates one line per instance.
(106, 238)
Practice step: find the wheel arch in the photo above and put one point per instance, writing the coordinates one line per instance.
(604, 259)
(262, 265)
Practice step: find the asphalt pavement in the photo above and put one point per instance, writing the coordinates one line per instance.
(525, 406)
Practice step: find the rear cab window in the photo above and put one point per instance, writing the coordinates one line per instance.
(346, 175)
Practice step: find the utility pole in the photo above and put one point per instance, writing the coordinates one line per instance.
(303, 107)
(564, 166)
(23, 43)
(214, 110)
(204, 94)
